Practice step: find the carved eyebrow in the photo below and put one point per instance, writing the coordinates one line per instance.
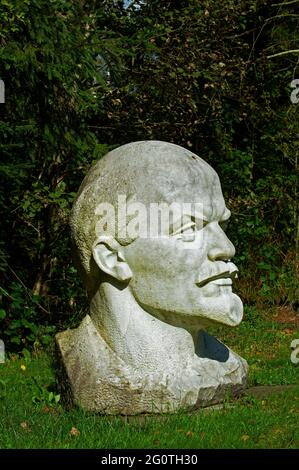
(179, 225)
(182, 227)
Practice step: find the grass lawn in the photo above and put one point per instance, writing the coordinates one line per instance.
(30, 417)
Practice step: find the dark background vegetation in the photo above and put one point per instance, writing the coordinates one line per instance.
(83, 77)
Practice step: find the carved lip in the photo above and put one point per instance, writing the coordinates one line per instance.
(232, 275)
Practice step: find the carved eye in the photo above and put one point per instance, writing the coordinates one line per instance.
(186, 233)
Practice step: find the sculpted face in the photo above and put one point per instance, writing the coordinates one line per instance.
(187, 281)
(184, 279)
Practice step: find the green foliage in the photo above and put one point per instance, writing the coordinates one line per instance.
(53, 89)
(209, 85)
(83, 77)
(43, 396)
(21, 320)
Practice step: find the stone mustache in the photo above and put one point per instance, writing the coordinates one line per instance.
(143, 347)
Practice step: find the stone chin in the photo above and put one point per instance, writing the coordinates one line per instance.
(225, 309)
(233, 312)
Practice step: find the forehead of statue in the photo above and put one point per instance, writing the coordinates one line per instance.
(207, 194)
(155, 172)
(179, 177)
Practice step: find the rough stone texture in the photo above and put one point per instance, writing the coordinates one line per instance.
(102, 382)
(143, 347)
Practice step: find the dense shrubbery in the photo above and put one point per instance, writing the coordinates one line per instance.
(83, 76)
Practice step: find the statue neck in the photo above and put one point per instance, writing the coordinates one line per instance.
(139, 339)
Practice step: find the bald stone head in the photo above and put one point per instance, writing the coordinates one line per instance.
(146, 172)
(187, 275)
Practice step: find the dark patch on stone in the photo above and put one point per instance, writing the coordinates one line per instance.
(209, 347)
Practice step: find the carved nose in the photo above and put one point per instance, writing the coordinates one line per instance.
(221, 248)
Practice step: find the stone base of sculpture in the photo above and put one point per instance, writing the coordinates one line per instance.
(101, 382)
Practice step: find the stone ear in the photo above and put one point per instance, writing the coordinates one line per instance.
(106, 253)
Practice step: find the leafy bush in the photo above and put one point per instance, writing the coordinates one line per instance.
(23, 322)
(84, 77)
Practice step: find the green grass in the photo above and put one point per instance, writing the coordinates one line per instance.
(265, 344)
(248, 422)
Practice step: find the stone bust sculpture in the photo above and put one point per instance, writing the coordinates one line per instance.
(143, 347)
